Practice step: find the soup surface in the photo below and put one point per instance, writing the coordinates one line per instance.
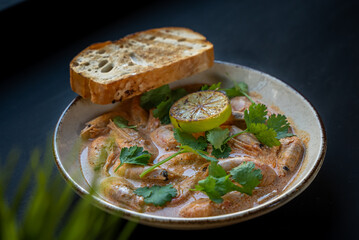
(130, 127)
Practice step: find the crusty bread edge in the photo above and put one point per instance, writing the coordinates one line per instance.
(142, 82)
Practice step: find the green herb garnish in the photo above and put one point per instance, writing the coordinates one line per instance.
(161, 99)
(134, 155)
(122, 123)
(157, 195)
(218, 183)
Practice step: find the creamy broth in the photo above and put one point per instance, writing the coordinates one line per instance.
(184, 171)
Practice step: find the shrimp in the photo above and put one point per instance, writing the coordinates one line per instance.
(133, 172)
(153, 123)
(121, 192)
(245, 143)
(290, 153)
(127, 137)
(268, 173)
(98, 126)
(138, 116)
(102, 152)
(163, 137)
(204, 207)
(184, 187)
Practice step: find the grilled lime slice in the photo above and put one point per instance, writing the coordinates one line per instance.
(200, 111)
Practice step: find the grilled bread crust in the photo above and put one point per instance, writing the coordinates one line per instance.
(115, 71)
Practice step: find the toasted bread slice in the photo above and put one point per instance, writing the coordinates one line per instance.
(115, 71)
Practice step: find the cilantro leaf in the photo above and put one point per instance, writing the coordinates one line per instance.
(122, 123)
(239, 89)
(154, 97)
(161, 99)
(157, 195)
(134, 155)
(162, 111)
(217, 137)
(214, 86)
(216, 187)
(255, 114)
(280, 124)
(267, 131)
(222, 152)
(265, 135)
(187, 139)
(216, 170)
(247, 176)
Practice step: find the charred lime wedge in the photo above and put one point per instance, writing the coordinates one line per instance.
(200, 111)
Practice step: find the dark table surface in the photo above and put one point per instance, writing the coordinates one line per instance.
(311, 45)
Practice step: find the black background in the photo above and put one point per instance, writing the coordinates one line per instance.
(311, 45)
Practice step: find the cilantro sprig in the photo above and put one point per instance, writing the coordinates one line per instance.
(134, 155)
(243, 178)
(157, 195)
(218, 183)
(267, 130)
(122, 123)
(188, 144)
(161, 99)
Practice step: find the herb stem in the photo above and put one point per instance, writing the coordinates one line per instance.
(150, 169)
(245, 94)
(234, 135)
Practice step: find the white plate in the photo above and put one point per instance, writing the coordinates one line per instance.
(273, 91)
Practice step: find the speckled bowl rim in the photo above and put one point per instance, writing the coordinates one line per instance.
(201, 222)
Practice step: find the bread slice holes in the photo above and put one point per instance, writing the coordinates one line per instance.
(181, 40)
(102, 51)
(75, 64)
(102, 63)
(152, 38)
(107, 68)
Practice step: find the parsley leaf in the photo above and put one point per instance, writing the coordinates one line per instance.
(122, 123)
(247, 176)
(134, 155)
(157, 195)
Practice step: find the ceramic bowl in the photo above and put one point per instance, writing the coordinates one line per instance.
(272, 90)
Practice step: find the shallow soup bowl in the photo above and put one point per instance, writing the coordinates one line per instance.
(306, 120)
